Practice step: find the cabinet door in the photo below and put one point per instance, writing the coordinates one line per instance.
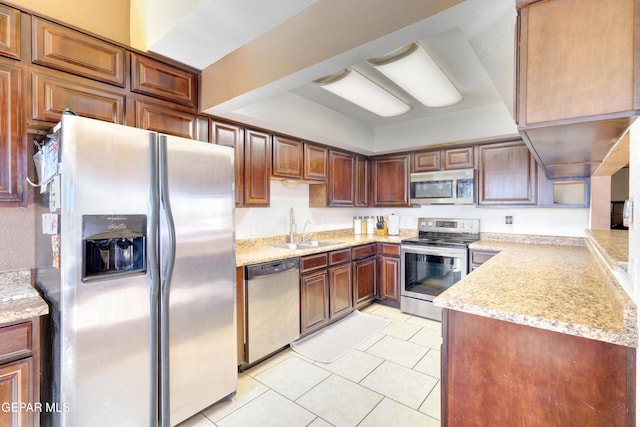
(161, 80)
(390, 181)
(507, 174)
(362, 181)
(316, 161)
(15, 387)
(341, 182)
(567, 68)
(13, 153)
(287, 158)
(458, 158)
(389, 279)
(314, 301)
(165, 118)
(426, 161)
(231, 136)
(53, 92)
(9, 32)
(257, 168)
(364, 281)
(340, 290)
(73, 52)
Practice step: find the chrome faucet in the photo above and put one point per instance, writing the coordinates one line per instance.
(292, 227)
(304, 231)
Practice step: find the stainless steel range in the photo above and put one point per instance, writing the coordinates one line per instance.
(434, 261)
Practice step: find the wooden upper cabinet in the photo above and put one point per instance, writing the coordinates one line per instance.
(67, 50)
(458, 158)
(165, 118)
(341, 182)
(13, 154)
(231, 136)
(257, 167)
(9, 32)
(316, 161)
(54, 91)
(426, 161)
(576, 60)
(287, 158)
(361, 177)
(161, 80)
(451, 158)
(507, 174)
(390, 181)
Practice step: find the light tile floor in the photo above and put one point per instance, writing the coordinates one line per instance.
(393, 378)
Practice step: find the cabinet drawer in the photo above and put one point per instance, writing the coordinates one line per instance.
(160, 80)
(480, 257)
(67, 50)
(391, 249)
(336, 257)
(363, 251)
(313, 262)
(16, 342)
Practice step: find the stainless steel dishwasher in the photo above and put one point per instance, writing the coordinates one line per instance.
(273, 306)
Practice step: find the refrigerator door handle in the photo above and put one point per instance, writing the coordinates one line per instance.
(165, 283)
(154, 275)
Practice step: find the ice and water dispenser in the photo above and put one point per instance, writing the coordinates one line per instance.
(113, 246)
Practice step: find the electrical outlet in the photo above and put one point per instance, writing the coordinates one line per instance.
(253, 229)
(508, 219)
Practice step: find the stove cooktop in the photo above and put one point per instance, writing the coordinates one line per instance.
(446, 232)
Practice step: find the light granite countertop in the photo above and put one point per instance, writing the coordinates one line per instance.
(562, 288)
(613, 245)
(255, 251)
(18, 299)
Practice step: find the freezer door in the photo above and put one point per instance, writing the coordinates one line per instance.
(102, 341)
(201, 317)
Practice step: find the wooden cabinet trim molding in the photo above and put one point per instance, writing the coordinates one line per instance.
(160, 80)
(51, 95)
(67, 50)
(9, 32)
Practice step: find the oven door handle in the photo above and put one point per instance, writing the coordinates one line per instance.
(432, 250)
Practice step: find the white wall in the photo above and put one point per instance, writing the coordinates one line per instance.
(263, 222)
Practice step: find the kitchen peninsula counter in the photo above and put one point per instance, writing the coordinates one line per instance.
(561, 288)
(255, 251)
(18, 299)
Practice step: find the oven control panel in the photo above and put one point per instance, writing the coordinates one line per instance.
(449, 225)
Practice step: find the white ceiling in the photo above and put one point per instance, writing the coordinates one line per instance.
(472, 41)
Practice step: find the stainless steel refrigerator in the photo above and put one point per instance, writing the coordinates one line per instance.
(135, 255)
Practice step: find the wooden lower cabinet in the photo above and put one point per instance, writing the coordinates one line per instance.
(314, 301)
(364, 275)
(498, 373)
(389, 274)
(20, 373)
(340, 284)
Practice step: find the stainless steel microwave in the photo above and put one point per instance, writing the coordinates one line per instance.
(443, 187)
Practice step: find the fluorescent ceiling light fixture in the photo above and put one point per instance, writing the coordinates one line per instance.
(416, 72)
(356, 88)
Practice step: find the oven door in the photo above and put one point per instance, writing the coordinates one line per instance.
(427, 271)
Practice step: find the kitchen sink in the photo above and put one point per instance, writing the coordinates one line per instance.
(307, 244)
(318, 243)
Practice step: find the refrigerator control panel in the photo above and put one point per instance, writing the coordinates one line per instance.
(113, 246)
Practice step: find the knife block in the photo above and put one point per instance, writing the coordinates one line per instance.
(384, 231)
